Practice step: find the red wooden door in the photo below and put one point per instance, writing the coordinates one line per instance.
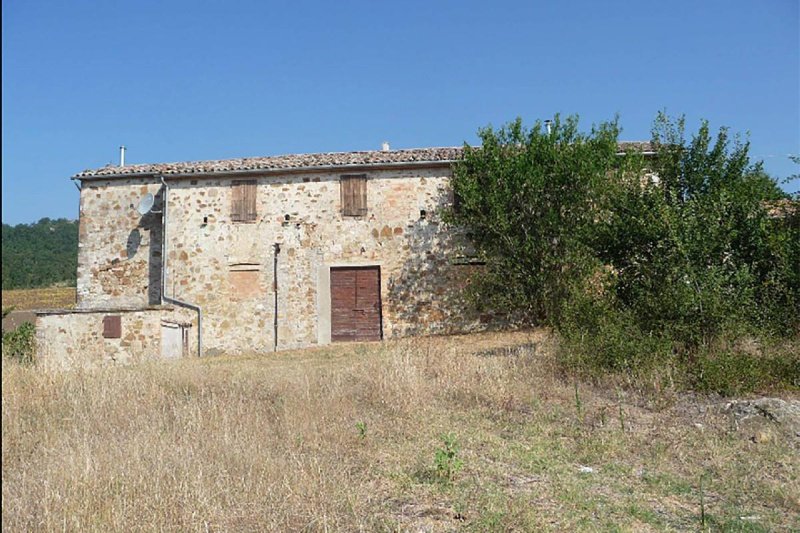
(355, 304)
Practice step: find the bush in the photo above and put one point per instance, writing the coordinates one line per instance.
(529, 199)
(611, 343)
(595, 336)
(731, 371)
(696, 255)
(639, 263)
(20, 343)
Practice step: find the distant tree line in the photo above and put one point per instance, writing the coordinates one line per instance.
(41, 254)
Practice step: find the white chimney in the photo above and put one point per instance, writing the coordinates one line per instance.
(122, 156)
(385, 146)
(548, 124)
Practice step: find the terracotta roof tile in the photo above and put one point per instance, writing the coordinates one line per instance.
(297, 162)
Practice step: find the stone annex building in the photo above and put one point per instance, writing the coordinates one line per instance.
(262, 254)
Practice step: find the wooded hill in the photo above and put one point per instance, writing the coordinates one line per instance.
(40, 254)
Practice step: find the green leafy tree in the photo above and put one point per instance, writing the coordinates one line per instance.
(697, 253)
(530, 199)
(635, 260)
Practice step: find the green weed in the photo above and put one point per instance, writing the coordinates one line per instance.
(446, 460)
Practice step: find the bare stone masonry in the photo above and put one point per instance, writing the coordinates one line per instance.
(227, 264)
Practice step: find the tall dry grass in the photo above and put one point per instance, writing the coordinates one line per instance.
(228, 444)
(271, 444)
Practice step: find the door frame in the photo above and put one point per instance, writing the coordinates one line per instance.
(183, 335)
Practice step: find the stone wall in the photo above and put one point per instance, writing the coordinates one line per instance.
(69, 339)
(226, 267)
(119, 251)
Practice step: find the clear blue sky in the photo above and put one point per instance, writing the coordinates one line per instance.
(177, 81)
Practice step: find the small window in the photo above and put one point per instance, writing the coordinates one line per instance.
(354, 195)
(112, 326)
(243, 201)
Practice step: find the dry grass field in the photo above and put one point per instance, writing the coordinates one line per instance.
(346, 439)
(47, 298)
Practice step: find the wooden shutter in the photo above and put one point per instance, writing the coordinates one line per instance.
(243, 201)
(112, 327)
(354, 195)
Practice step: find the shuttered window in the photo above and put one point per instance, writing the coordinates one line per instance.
(112, 326)
(243, 201)
(354, 195)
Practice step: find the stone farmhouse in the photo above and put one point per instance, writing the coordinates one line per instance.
(261, 254)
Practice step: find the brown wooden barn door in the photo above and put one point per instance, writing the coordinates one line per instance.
(355, 304)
